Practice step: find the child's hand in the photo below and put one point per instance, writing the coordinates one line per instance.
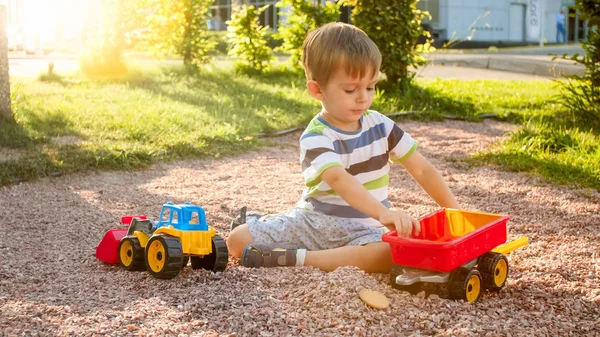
(402, 222)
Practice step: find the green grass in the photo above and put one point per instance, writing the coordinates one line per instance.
(562, 155)
(69, 124)
(548, 143)
(72, 124)
(513, 101)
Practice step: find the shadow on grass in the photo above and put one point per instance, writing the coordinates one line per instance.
(41, 126)
(65, 81)
(14, 136)
(39, 151)
(51, 124)
(429, 102)
(280, 76)
(47, 161)
(217, 92)
(48, 149)
(41, 154)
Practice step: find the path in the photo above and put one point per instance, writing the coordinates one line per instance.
(51, 283)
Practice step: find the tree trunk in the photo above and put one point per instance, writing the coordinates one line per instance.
(5, 109)
(187, 37)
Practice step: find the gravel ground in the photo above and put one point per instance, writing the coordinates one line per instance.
(52, 284)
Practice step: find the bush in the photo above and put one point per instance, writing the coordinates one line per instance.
(174, 28)
(247, 38)
(219, 39)
(102, 64)
(395, 26)
(302, 17)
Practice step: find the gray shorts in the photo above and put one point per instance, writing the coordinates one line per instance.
(311, 230)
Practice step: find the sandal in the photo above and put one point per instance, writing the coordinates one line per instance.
(256, 255)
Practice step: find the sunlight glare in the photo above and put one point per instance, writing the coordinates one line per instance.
(54, 24)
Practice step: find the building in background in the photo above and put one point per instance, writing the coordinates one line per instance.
(46, 25)
(483, 22)
(512, 22)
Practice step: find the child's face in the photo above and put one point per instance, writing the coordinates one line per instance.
(345, 99)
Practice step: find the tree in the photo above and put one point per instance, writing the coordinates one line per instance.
(5, 109)
(395, 27)
(104, 53)
(176, 28)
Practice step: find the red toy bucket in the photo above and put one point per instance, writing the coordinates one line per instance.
(107, 250)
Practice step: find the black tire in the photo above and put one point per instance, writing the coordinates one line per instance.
(494, 270)
(215, 261)
(464, 284)
(131, 254)
(164, 256)
(414, 288)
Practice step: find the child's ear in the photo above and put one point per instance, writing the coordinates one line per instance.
(314, 89)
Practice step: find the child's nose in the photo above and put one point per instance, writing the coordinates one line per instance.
(362, 96)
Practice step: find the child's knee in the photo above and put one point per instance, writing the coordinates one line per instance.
(382, 255)
(239, 238)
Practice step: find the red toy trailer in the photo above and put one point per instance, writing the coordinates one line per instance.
(462, 249)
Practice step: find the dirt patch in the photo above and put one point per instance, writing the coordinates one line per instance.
(66, 140)
(51, 283)
(10, 154)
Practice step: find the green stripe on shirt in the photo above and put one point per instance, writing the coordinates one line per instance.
(316, 178)
(403, 158)
(371, 185)
(315, 126)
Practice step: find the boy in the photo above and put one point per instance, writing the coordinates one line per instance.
(344, 155)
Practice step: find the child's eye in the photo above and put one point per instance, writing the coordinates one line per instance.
(349, 91)
(370, 89)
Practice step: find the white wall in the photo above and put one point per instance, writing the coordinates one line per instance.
(459, 17)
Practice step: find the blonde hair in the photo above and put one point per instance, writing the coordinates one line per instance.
(339, 45)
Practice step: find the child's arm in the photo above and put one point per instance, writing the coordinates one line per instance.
(430, 180)
(355, 194)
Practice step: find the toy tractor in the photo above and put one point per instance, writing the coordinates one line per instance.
(460, 250)
(166, 246)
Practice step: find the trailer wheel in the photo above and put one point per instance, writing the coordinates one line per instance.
(215, 261)
(131, 254)
(164, 256)
(465, 284)
(494, 270)
(414, 288)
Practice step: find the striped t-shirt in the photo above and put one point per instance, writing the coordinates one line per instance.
(365, 154)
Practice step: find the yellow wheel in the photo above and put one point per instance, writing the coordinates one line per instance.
(465, 284)
(131, 254)
(494, 270)
(473, 289)
(164, 256)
